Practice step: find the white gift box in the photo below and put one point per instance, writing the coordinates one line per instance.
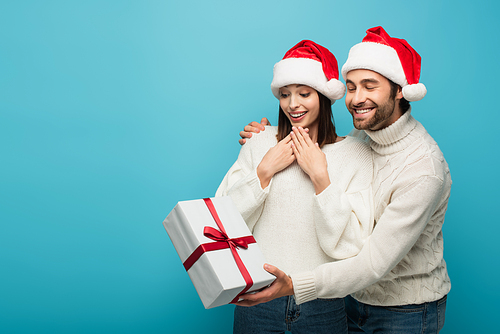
(215, 274)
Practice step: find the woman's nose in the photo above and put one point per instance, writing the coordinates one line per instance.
(294, 101)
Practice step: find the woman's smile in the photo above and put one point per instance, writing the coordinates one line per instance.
(297, 116)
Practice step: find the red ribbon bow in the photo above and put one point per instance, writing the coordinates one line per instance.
(222, 242)
(217, 235)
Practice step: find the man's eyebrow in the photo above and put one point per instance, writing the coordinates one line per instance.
(364, 81)
(369, 80)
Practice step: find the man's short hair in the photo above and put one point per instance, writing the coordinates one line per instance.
(404, 104)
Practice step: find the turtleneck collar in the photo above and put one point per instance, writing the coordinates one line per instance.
(395, 137)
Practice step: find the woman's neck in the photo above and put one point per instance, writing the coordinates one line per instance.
(313, 133)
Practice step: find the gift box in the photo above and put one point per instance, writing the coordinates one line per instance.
(217, 250)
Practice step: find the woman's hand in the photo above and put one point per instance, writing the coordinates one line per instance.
(276, 159)
(254, 127)
(310, 158)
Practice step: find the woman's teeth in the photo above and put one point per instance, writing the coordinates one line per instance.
(297, 115)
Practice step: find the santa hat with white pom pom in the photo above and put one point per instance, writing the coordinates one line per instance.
(391, 57)
(310, 64)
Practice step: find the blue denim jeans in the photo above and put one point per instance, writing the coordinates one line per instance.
(282, 314)
(423, 318)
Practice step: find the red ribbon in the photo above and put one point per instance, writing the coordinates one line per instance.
(222, 242)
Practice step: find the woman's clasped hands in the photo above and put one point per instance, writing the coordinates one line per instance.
(296, 146)
(276, 159)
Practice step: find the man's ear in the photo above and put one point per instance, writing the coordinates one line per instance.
(399, 93)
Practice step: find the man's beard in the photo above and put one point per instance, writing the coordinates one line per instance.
(383, 113)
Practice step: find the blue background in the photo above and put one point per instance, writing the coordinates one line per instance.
(113, 111)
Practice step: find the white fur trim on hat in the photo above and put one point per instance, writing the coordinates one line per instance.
(308, 72)
(334, 89)
(415, 92)
(378, 58)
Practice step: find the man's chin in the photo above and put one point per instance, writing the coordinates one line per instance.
(359, 125)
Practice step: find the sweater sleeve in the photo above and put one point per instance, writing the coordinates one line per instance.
(396, 232)
(343, 212)
(343, 221)
(242, 184)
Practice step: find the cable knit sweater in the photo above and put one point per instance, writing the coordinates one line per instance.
(402, 261)
(296, 229)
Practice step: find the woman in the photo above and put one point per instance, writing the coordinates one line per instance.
(303, 191)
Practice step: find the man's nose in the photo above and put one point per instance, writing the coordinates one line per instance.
(359, 97)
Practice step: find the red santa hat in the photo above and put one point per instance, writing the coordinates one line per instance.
(392, 57)
(308, 63)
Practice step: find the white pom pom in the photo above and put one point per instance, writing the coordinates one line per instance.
(334, 90)
(414, 92)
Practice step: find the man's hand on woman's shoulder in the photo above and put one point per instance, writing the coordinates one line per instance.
(253, 127)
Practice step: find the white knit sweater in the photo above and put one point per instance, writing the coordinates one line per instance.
(296, 229)
(402, 261)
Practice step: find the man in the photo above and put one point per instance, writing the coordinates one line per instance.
(398, 282)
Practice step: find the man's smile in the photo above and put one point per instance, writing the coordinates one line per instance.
(362, 111)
